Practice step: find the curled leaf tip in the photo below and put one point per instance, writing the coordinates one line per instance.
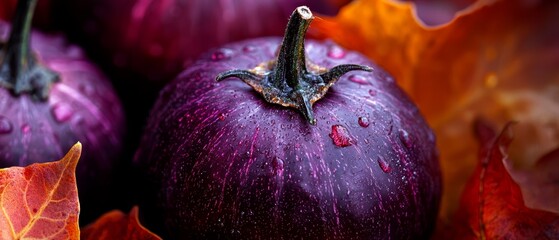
(74, 153)
(118, 225)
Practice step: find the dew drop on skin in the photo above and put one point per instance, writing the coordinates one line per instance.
(340, 136)
(222, 54)
(61, 112)
(363, 122)
(356, 78)
(5, 125)
(384, 165)
(25, 128)
(336, 52)
(405, 138)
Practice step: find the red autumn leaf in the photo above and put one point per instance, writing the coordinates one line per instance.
(492, 206)
(117, 225)
(40, 201)
(496, 59)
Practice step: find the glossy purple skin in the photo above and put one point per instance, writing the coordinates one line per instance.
(231, 165)
(82, 106)
(157, 38)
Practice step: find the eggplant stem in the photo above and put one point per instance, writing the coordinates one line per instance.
(19, 70)
(288, 82)
(332, 75)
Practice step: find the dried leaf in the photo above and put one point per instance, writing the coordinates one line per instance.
(496, 59)
(117, 225)
(40, 201)
(492, 206)
(539, 183)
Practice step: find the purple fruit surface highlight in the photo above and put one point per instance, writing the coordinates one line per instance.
(156, 39)
(228, 159)
(51, 96)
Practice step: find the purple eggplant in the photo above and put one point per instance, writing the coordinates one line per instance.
(51, 96)
(295, 141)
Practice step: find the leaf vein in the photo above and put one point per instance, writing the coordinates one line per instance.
(45, 204)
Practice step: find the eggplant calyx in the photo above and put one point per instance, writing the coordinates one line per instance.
(289, 83)
(19, 70)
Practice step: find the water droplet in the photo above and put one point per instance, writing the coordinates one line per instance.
(221, 116)
(25, 128)
(61, 112)
(78, 120)
(372, 92)
(5, 125)
(74, 52)
(336, 52)
(248, 48)
(384, 165)
(277, 164)
(340, 136)
(358, 79)
(405, 138)
(222, 54)
(363, 122)
(86, 88)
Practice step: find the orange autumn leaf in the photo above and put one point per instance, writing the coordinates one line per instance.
(496, 59)
(492, 205)
(40, 201)
(117, 225)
